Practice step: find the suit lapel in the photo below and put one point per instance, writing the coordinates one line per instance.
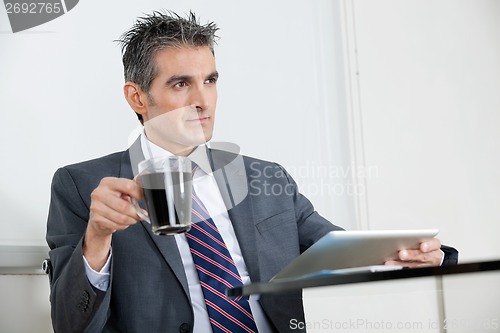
(230, 175)
(166, 245)
(243, 224)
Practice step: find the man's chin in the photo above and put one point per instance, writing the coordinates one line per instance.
(195, 141)
(199, 138)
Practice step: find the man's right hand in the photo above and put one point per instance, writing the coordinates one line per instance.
(111, 209)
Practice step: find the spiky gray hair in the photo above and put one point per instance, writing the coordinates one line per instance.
(155, 32)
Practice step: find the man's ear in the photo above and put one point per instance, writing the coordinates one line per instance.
(135, 97)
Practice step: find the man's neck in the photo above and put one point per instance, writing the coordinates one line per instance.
(175, 149)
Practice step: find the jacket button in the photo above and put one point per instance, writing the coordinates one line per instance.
(84, 301)
(184, 328)
(82, 307)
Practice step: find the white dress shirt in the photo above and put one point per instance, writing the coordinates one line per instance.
(207, 190)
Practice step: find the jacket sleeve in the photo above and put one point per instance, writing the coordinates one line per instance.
(76, 306)
(450, 255)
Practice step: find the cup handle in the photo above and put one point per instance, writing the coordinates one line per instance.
(140, 212)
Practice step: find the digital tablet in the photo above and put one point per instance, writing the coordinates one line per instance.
(342, 250)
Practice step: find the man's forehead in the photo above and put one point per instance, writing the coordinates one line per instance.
(188, 60)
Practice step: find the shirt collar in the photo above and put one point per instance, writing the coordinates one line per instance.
(199, 155)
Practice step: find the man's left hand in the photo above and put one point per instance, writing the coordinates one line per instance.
(429, 254)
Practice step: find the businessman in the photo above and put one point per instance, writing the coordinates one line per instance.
(112, 274)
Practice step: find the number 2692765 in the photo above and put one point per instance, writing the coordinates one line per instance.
(33, 8)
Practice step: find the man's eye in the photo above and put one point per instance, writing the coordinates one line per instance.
(211, 80)
(180, 84)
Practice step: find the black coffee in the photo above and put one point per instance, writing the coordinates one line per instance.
(168, 201)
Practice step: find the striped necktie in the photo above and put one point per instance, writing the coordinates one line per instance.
(217, 272)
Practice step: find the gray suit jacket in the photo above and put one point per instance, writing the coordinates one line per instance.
(148, 289)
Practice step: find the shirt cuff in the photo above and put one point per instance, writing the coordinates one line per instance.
(99, 280)
(442, 258)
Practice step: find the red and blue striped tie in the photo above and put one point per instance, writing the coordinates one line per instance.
(217, 272)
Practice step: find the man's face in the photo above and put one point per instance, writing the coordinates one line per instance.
(180, 106)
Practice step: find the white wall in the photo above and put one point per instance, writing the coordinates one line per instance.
(428, 75)
(462, 303)
(24, 307)
(384, 306)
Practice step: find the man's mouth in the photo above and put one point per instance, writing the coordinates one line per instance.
(200, 120)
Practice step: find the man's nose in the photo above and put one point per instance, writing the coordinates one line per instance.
(199, 97)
